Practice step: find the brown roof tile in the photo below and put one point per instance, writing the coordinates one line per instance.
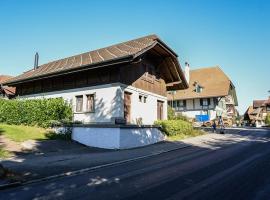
(260, 103)
(4, 78)
(114, 52)
(8, 90)
(214, 81)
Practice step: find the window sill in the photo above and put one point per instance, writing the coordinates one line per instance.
(84, 112)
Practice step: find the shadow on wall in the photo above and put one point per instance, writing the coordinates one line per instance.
(105, 111)
(117, 104)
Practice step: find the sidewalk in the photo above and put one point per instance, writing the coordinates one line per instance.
(30, 167)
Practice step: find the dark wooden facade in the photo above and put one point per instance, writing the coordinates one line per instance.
(144, 74)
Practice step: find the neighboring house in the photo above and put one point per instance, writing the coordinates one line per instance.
(126, 82)
(256, 114)
(5, 91)
(210, 94)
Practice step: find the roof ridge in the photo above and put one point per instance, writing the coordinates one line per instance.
(202, 68)
(126, 50)
(155, 37)
(213, 67)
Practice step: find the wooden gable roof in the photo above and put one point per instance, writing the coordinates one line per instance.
(115, 54)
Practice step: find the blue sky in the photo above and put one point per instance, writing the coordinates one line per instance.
(231, 33)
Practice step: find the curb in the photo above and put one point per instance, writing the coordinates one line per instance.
(89, 169)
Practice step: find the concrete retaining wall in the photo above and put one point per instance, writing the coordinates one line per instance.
(117, 137)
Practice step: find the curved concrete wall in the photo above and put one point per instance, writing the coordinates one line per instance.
(117, 137)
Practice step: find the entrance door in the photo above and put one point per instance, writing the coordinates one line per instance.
(127, 106)
(159, 110)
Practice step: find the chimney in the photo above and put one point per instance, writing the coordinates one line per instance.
(36, 60)
(187, 71)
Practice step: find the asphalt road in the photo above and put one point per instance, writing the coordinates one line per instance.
(226, 169)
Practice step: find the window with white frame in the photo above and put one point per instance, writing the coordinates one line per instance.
(90, 102)
(79, 103)
(178, 104)
(205, 102)
(142, 98)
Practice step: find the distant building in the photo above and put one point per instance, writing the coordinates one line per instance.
(210, 94)
(256, 114)
(5, 91)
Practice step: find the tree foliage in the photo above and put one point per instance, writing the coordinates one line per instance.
(267, 119)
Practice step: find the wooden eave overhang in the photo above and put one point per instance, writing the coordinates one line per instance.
(171, 69)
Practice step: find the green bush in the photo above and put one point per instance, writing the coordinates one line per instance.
(34, 112)
(267, 119)
(173, 116)
(170, 113)
(175, 127)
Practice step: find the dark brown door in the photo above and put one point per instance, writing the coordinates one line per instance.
(127, 106)
(159, 110)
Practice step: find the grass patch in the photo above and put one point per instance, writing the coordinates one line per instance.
(178, 137)
(20, 133)
(4, 153)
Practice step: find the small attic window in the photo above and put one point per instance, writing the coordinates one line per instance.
(198, 88)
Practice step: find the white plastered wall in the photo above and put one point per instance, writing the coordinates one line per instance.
(109, 103)
(146, 111)
(196, 109)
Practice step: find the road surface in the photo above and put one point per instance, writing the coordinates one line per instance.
(234, 166)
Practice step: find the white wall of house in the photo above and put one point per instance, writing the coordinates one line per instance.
(146, 111)
(193, 108)
(109, 103)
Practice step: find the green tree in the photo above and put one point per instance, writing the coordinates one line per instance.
(267, 119)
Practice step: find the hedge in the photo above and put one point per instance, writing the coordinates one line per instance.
(267, 119)
(34, 112)
(175, 127)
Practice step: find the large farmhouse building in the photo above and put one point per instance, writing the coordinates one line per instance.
(123, 83)
(210, 94)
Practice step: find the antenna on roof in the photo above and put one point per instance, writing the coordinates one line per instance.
(36, 60)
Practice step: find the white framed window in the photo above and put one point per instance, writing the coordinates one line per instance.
(205, 102)
(79, 103)
(178, 104)
(142, 98)
(90, 102)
